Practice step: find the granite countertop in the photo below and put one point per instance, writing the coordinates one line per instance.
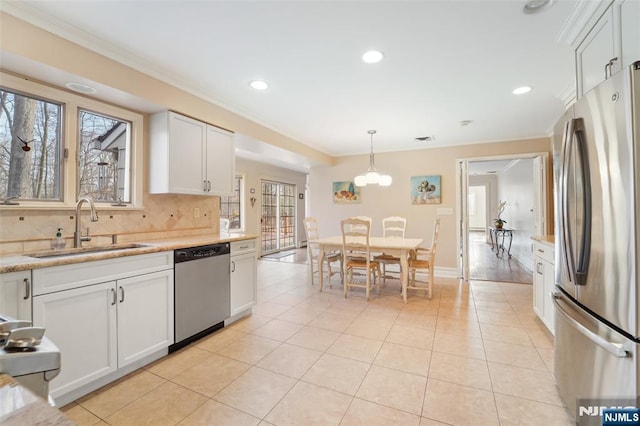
(546, 239)
(20, 406)
(23, 262)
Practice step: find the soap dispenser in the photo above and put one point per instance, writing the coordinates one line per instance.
(58, 242)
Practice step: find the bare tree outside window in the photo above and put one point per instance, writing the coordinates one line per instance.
(30, 147)
(103, 172)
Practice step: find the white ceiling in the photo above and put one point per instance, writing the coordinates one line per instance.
(445, 61)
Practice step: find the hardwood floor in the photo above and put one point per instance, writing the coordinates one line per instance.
(484, 265)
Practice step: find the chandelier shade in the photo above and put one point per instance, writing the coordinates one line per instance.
(372, 176)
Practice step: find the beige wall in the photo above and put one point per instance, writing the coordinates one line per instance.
(378, 202)
(253, 174)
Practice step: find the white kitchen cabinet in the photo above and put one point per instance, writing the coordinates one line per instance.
(543, 283)
(82, 323)
(611, 44)
(188, 156)
(103, 326)
(15, 295)
(145, 315)
(243, 277)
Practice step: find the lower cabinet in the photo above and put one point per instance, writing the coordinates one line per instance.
(15, 295)
(543, 284)
(103, 327)
(243, 277)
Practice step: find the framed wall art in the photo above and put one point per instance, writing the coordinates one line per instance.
(426, 190)
(346, 193)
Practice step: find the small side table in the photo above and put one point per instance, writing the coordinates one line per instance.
(495, 233)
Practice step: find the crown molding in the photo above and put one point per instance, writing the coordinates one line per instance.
(582, 18)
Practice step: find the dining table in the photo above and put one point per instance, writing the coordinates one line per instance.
(394, 246)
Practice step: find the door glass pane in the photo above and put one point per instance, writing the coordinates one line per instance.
(278, 216)
(103, 158)
(30, 147)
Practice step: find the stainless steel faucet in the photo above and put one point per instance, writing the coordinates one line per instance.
(77, 236)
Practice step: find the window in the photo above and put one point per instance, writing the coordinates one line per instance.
(103, 162)
(231, 207)
(56, 146)
(30, 147)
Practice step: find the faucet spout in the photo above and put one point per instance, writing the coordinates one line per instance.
(93, 216)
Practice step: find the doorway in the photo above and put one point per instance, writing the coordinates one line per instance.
(524, 187)
(278, 219)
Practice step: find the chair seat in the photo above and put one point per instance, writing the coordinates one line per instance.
(386, 257)
(418, 263)
(362, 263)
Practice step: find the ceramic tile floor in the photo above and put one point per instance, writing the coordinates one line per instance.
(473, 355)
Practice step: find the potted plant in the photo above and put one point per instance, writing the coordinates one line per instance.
(499, 222)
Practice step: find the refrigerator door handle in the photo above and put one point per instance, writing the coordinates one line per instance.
(585, 237)
(615, 348)
(567, 248)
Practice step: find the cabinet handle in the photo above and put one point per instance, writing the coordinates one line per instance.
(122, 294)
(541, 251)
(204, 185)
(608, 67)
(208, 185)
(538, 265)
(233, 266)
(27, 289)
(113, 293)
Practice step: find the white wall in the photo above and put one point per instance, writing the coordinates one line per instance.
(515, 185)
(478, 208)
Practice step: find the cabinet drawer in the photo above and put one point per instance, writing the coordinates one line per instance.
(65, 277)
(544, 251)
(244, 246)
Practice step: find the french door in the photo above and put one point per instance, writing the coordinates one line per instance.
(278, 220)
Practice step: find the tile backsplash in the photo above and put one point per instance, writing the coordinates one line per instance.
(23, 231)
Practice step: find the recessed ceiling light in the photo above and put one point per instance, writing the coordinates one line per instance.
(372, 57)
(259, 85)
(535, 6)
(81, 88)
(521, 90)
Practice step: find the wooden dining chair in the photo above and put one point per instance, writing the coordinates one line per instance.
(392, 227)
(423, 260)
(357, 255)
(313, 252)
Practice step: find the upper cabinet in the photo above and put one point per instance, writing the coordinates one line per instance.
(188, 156)
(611, 43)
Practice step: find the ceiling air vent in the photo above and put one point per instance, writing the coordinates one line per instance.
(424, 139)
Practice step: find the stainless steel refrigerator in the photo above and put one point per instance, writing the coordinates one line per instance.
(597, 212)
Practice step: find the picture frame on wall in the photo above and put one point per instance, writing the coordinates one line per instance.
(346, 192)
(426, 189)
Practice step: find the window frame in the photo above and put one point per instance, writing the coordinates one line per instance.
(242, 203)
(71, 105)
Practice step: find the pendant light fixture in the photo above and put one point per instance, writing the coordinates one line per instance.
(372, 176)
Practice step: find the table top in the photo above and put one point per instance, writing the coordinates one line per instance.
(376, 242)
(493, 228)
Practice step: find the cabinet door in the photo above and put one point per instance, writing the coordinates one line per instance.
(629, 12)
(145, 315)
(243, 282)
(186, 155)
(82, 323)
(15, 295)
(538, 287)
(549, 308)
(220, 161)
(595, 51)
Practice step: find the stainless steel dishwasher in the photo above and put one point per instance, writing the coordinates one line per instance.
(202, 291)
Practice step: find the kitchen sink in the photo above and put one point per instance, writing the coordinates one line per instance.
(85, 250)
